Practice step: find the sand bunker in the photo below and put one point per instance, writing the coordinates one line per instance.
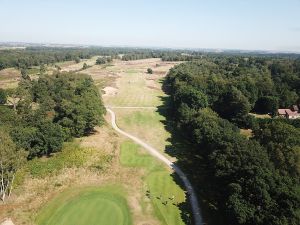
(7, 222)
(110, 91)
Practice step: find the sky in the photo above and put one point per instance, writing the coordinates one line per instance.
(218, 24)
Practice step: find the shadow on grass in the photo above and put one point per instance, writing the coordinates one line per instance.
(198, 174)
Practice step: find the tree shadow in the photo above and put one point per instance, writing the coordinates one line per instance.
(186, 162)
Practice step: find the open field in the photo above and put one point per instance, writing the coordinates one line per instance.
(9, 78)
(103, 205)
(73, 66)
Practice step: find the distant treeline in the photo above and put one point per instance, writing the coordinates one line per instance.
(37, 56)
(192, 55)
(25, 58)
(241, 180)
(164, 55)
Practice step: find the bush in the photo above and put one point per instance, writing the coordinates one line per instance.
(100, 61)
(3, 96)
(85, 66)
(71, 156)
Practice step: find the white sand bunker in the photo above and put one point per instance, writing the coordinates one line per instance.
(7, 222)
(110, 91)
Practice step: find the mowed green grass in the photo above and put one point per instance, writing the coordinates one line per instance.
(93, 206)
(147, 124)
(164, 194)
(133, 91)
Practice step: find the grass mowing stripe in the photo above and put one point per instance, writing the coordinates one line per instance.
(161, 185)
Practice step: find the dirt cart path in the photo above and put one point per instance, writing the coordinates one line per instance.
(189, 188)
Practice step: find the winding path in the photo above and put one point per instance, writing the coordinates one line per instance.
(189, 188)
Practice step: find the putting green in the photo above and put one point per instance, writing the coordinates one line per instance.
(88, 206)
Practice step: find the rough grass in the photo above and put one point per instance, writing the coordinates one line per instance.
(246, 132)
(72, 66)
(33, 70)
(263, 116)
(104, 205)
(9, 78)
(163, 192)
(101, 167)
(72, 155)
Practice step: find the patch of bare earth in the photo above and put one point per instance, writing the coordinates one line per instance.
(110, 91)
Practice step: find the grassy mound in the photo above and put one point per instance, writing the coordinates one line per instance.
(87, 206)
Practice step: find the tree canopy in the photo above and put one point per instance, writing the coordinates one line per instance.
(51, 110)
(245, 180)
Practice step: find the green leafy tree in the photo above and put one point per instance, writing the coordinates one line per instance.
(42, 69)
(195, 99)
(100, 61)
(11, 159)
(3, 96)
(267, 104)
(85, 66)
(77, 101)
(77, 60)
(42, 139)
(232, 105)
(24, 74)
(109, 59)
(282, 142)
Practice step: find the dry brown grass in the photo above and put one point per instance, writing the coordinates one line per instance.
(34, 193)
(262, 116)
(9, 78)
(246, 132)
(72, 66)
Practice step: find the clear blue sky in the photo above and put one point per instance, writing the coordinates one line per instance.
(231, 24)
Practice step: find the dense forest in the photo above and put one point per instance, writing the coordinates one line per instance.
(37, 56)
(165, 55)
(39, 115)
(240, 180)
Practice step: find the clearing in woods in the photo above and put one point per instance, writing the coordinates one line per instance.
(116, 181)
(135, 103)
(9, 78)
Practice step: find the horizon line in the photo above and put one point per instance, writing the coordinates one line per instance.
(207, 49)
